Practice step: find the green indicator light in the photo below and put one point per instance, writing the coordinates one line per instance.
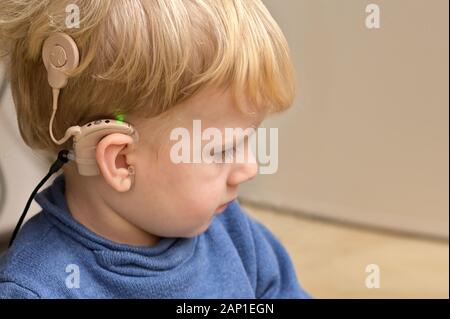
(120, 118)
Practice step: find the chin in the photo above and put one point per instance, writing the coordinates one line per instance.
(200, 230)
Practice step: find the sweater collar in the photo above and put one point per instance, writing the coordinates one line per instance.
(168, 253)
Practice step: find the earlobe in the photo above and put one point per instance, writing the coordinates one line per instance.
(111, 156)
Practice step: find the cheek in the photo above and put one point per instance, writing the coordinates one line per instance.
(200, 179)
(198, 188)
(192, 190)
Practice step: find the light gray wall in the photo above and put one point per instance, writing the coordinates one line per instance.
(366, 140)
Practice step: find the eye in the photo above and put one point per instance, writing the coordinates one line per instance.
(228, 153)
(225, 154)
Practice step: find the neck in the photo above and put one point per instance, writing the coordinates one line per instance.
(90, 209)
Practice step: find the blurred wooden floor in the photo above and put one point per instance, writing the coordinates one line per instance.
(331, 259)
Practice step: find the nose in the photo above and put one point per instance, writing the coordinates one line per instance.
(242, 172)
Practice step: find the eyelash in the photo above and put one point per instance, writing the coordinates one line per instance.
(229, 152)
(225, 154)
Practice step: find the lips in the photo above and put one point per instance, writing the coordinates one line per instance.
(222, 207)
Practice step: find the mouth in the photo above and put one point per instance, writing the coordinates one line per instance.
(221, 208)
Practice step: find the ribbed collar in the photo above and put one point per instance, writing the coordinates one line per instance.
(167, 254)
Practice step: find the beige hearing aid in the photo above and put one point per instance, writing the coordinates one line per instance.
(85, 143)
(60, 55)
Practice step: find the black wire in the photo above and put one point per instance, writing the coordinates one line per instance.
(60, 161)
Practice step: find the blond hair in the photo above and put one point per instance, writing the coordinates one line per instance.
(142, 57)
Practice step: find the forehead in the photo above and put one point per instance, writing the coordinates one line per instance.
(214, 108)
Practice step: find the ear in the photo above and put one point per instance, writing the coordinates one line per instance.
(111, 156)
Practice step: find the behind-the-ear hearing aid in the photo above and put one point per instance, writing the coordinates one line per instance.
(86, 141)
(60, 56)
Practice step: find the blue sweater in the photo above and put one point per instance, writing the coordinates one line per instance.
(54, 256)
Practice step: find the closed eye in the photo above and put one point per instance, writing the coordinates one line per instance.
(228, 153)
(225, 154)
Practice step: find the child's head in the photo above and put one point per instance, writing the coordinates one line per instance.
(160, 64)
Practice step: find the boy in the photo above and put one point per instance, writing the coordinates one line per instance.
(147, 227)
